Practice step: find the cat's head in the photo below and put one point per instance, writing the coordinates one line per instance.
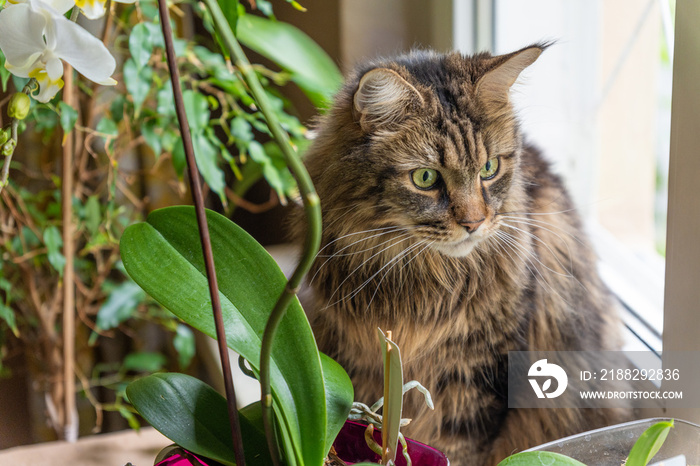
(426, 142)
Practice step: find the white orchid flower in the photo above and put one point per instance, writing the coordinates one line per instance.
(35, 38)
(61, 6)
(94, 9)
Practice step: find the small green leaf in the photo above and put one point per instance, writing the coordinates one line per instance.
(195, 416)
(165, 100)
(207, 162)
(54, 243)
(308, 64)
(265, 7)
(5, 285)
(649, 443)
(148, 131)
(120, 305)
(538, 458)
(184, 345)
(296, 5)
(140, 45)
(108, 127)
(144, 361)
(230, 10)
(242, 131)
(169, 139)
(8, 315)
(68, 116)
(197, 109)
(130, 418)
(93, 216)
(138, 82)
(179, 160)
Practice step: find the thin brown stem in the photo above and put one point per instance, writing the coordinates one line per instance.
(195, 187)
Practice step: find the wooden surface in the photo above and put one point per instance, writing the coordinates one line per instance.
(115, 449)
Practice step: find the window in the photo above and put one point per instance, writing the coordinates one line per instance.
(597, 103)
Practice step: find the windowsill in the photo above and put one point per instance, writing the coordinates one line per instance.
(638, 283)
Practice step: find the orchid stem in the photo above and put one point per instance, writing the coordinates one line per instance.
(312, 209)
(195, 188)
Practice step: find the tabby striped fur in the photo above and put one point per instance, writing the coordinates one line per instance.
(394, 256)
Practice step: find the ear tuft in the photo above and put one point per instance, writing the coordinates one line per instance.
(383, 97)
(493, 86)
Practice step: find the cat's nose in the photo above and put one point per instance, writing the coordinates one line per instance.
(471, 225)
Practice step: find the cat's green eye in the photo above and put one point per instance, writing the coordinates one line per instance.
(489, 169)
(424, 178)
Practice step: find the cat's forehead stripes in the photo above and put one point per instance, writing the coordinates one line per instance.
(463, 146)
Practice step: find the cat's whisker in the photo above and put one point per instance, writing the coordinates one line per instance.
(524, 256)
(360, 266)
(529, 255)
(331, 256)
(342, 216)
(556, 257)
(537, 213)
(404, 254)
(355, 233)
(338, 254)
(569, 273)
(391, 261)
(539, 224)
(391, 264)
(405, 277)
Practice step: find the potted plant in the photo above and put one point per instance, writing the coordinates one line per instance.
(306, 396)
(49, 244)
(666, 442)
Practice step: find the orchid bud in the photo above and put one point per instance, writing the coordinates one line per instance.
(9, 147)
(3, 137)
(19, 105)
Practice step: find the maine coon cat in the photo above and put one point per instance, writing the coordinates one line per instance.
(441, 225)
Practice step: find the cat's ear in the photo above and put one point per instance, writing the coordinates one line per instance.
(382, 98)
(493, 87)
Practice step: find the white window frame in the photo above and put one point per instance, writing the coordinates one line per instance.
(682, 284)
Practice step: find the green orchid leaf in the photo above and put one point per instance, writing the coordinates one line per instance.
(393, 393)
(193, 415)
(538, 458)
(339, 396)
(308, 64)
(649, 443)
(164, 257)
